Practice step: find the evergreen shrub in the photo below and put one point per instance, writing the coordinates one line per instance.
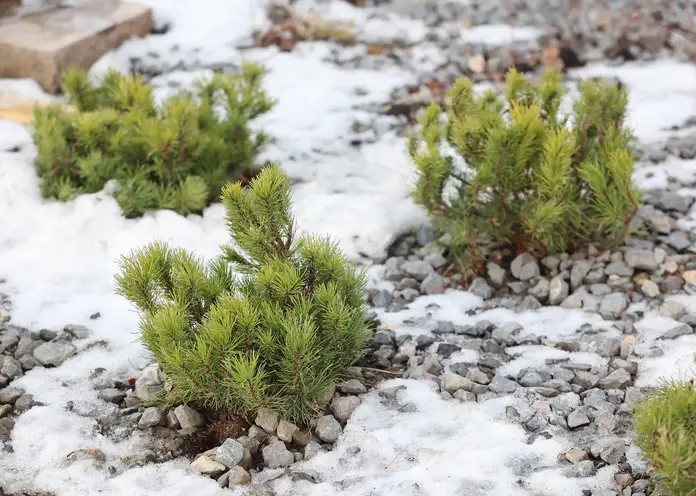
(272, 323)
(531, 177)
(177, 155)
(665, 425)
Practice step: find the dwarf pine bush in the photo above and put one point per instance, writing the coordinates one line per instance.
(533, 179)
(177, 155)
(278, 336)
(665, 424)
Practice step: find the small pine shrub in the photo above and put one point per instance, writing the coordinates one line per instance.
(533, 178)
(665, 425)
(279, 336)
(177, 155)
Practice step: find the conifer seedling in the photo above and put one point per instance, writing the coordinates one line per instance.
(532, 178)
(272, 322)
(175, 155)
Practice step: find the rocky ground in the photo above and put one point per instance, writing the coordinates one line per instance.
(476, 343)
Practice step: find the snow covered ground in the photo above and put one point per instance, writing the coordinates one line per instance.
(57, 261)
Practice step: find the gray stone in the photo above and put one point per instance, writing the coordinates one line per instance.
(286, 430)
(206, 466)
(633, 395)
(238, 477)
(112, 395)
(436, 259)
(581, 469)
(149, 384)
(344, 406)
(578, 273)
(672, 309)
(618, 379)
(577, 418)
(678, 330)
(276, 455)
(606, 421)
(640, 259)
(524, 267)
(352, 386)
(9, 395)
(382, 298)
(418, 269)
(502, 385)
(453, 382)
(619, 268)
(496, 274)
(531, 379)
(608, 347)
(433, 284)
(188, 417)
(609, 449)
(6, 426)
(529, 303)
(24, 403)
(328, 429)
(26, 346)
(308, 474)
(79, 331)
(151, 417)
(312, 449)
(230, 453)
(478, 376)
(446, 349)
(480, 288)
(678, 240)
(629, 366)
(54, 353)
(10, 367)
(558, 290)
(586, 380)
(541, 289)
(9, 336)
(650, 288)
(267, 419)
(612, 305)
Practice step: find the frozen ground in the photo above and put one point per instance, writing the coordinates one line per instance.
(58, 262)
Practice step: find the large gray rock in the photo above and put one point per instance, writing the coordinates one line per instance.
(328, 429)
(276, 455)
(524, 267)
(188, 417)
(230, 453)
(54, 353)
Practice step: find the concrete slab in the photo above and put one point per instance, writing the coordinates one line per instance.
(42, 44)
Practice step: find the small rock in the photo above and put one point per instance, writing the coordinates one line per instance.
(79, 331)
(151, 417)
(24, 403)
(453, 382)
(53, 353)
(206, 466)
(112, 395)
(433, 284)
(464, 396)
(238, 477)
(230, 453)
(609, 449)
(5, 410)
(608, 347)
(478, 376)
(10, 367)
(577, 274)
(352, 386)
(496, 274)
(612, 305)
(286, 430)
(328, 429)
(575, 456)
(312, 449)
(641, 259)
(558, 290)
(343, 407)
(541, 290)
(276, 455)
(618, 379)
(586, 380)
(308, 474)
(581, 469)
(531, 379)
(623, 480)
(188, 417)
(524, 267)
(502, 385)
(418, 269)
(678, 330)
(650, 288)
(6, 426)
(9, 395)
(267, 419)
(480, 288)
(577, 418)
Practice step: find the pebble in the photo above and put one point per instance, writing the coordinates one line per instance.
(481, 288)
(454, 382)
(188, 417)
(344, 406)
(267, 419)
(112, 395)
(149, 384)
(53, 353)
(312, 449)
(618, 379)
(276, 455)
(581, 469)
(238, 477)
(640, 259)
(151, 417)
(328, 429)
(558, 290)
(609, 450)
(206, 466)
(230, 453)
(432, 284)
(586, 380)
(418, 269)
(577, 418)
(612, 305)
(524, 267)
(352, 386)
(286, 430)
